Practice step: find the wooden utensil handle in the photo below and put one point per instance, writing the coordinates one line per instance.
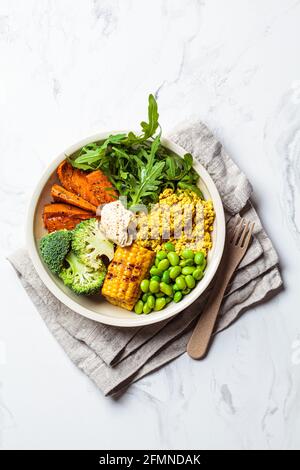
(199, 341)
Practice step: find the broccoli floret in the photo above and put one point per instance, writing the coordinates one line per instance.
(81, 278)
(54, 247)
(89, 243)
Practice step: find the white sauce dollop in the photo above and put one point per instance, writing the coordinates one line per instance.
(115, 222)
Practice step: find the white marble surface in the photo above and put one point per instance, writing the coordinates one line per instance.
(70, 68)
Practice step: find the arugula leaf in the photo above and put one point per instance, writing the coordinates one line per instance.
(149, 128)
(149, 183)
(139, 167)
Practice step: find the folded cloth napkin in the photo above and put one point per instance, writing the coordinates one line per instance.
(115, 357)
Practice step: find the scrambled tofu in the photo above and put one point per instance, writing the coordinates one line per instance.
(181, 217)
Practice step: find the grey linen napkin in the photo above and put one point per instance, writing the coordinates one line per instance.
(115, 357)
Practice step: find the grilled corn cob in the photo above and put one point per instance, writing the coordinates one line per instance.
(128, 268)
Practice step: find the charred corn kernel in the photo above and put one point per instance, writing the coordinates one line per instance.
(128, 268)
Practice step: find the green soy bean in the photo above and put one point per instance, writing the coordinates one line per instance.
(177, 297)
(169, 246)
(166, 289)
(154, 286)
(161, 255)
(139, 307)
(188, 270)
(190, 281)
(187, 254)
(146, 309)
(173, 258)
(145, 285)
(180, 282)
(163, 265)
(198, 274)
(151, 301)
(199, 257)
(160, 303)
(175, 271)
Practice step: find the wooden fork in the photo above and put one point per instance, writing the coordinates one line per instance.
(236, 246)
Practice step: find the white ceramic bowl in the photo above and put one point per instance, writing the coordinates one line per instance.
(95, 307)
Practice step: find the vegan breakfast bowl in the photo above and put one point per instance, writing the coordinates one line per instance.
(126, 229)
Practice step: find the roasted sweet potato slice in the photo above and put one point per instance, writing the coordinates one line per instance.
(61, 194)
(94, 186)
(63, 216)
(100, 188)
(70, 179)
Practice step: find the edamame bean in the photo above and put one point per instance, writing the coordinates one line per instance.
(186, 262)
(186, 291)
(154, 286)
(178, 296)
(175, 288)
(168, 300)
(188, 270)
(198, 274)
(139, 307)
(163, 265)
(158, 295)
(173, 258)
(146, 309)
(145, 285)
(180, 282)
(151, 301)
(156, 262)
(169, 246)
(203, 265)
(175, 271)
(187, 254)
(155, 278)
(199, 257)
(190, 281)
(154, 271)
(161, 255)
(160, 303)
(166, 277)
(166, 289)
(145, 297)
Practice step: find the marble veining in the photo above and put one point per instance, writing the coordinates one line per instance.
(73, 68)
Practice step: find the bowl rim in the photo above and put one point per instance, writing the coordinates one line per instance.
(137, 320)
